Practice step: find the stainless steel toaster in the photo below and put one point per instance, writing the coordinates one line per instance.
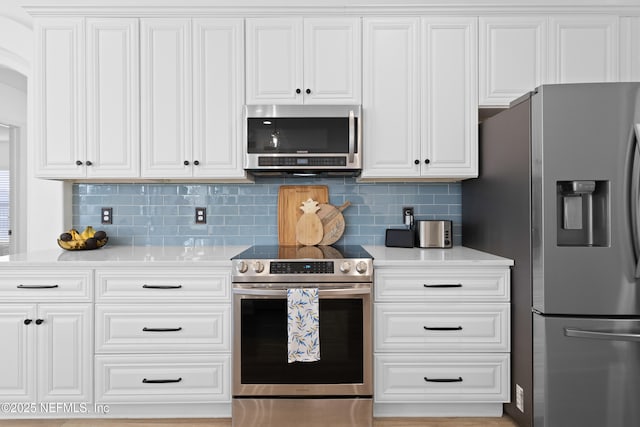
(433, 234)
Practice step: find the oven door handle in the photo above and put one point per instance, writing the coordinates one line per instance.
(283, 292)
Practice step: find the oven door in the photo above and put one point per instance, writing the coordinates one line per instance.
(260, 343)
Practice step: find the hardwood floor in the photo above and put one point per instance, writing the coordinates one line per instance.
(379, 422)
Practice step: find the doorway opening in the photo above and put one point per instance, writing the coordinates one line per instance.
(6, 143)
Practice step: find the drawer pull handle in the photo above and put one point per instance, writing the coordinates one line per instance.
(442, 328)
(37, 286)
(161, 286)
(443, 380)
(444, 285)
(146, 381)
(145, 329)
(27, 321)
(39, 321)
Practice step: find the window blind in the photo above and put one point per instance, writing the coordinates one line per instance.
(4, 207)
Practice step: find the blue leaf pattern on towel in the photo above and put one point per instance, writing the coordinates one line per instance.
(303, 325)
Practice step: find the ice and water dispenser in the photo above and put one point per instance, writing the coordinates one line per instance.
(583, 213)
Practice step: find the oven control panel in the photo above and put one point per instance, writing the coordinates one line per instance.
(301, 267)
(349, 270)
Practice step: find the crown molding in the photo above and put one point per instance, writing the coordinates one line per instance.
(278, 8)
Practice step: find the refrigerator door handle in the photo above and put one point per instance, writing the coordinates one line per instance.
(635, 198)
(600, 335)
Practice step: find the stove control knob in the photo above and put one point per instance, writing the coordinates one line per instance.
(242, 267)
(258, 267)
(361, 267)
(345, 267)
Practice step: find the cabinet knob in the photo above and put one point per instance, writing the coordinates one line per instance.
(27, 321)
(186, 162)
(416, 161)
(308, 91)
(196, 162)
(298, 91)
(78, 163)
(39, 321)
(427, 161)
(89, 163)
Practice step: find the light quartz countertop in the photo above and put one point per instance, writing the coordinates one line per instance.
(417, 257)
(213, 256)
(220, 256)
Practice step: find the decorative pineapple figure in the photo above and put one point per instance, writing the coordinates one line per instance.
(309, 230)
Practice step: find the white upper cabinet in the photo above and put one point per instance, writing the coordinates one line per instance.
(59, 91)
(449, 98)
(583, 48)
(630, 48)
(113, 129)
(519, 53)
(512, 57)
(87, 92)
(166, 97)
(391, 97)
(420, 98)
(218, 97)
(310, 61)
(191, 91)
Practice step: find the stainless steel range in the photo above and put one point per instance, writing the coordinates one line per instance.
(335, 390)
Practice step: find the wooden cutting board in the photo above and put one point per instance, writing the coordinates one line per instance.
(332, 222)
(290, 198)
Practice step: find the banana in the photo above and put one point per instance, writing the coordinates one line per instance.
(87, 233)
(72, 245)
(74, 234)
(78, 241)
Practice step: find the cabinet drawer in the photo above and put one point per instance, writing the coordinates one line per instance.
(157, 328)
(442, 327)
(193, 284)
(442, 284)
(162, 378)
(68, 285)
(442, 378)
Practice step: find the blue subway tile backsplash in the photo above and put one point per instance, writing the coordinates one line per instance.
(237, 214)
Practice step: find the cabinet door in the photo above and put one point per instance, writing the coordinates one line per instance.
(583, 49)
(112, 98)
(391, 97)
(166, 97)
(512, 57)
(59, 110)
(65, 354)
(218, 91)
(449, 98)
(630, 49)
(332, 61)
(274, 61)
(17, 358)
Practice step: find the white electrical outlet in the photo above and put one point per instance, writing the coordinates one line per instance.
(519, 398)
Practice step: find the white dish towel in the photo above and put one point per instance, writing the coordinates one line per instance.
(303, 325)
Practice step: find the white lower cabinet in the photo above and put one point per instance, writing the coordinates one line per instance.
(157, 378)
(162, 328)
(46, 345)
(445, 377)
(441, 341)
(163, 336)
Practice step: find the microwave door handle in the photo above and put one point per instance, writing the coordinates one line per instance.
(352, 137)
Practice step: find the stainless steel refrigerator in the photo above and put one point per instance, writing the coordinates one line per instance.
(559, 192)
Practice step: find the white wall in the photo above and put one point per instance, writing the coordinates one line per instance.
(4, 148)
(35, 198)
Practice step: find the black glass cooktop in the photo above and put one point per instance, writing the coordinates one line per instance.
(273, 252)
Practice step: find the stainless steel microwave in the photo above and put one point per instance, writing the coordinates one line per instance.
(303, 139)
